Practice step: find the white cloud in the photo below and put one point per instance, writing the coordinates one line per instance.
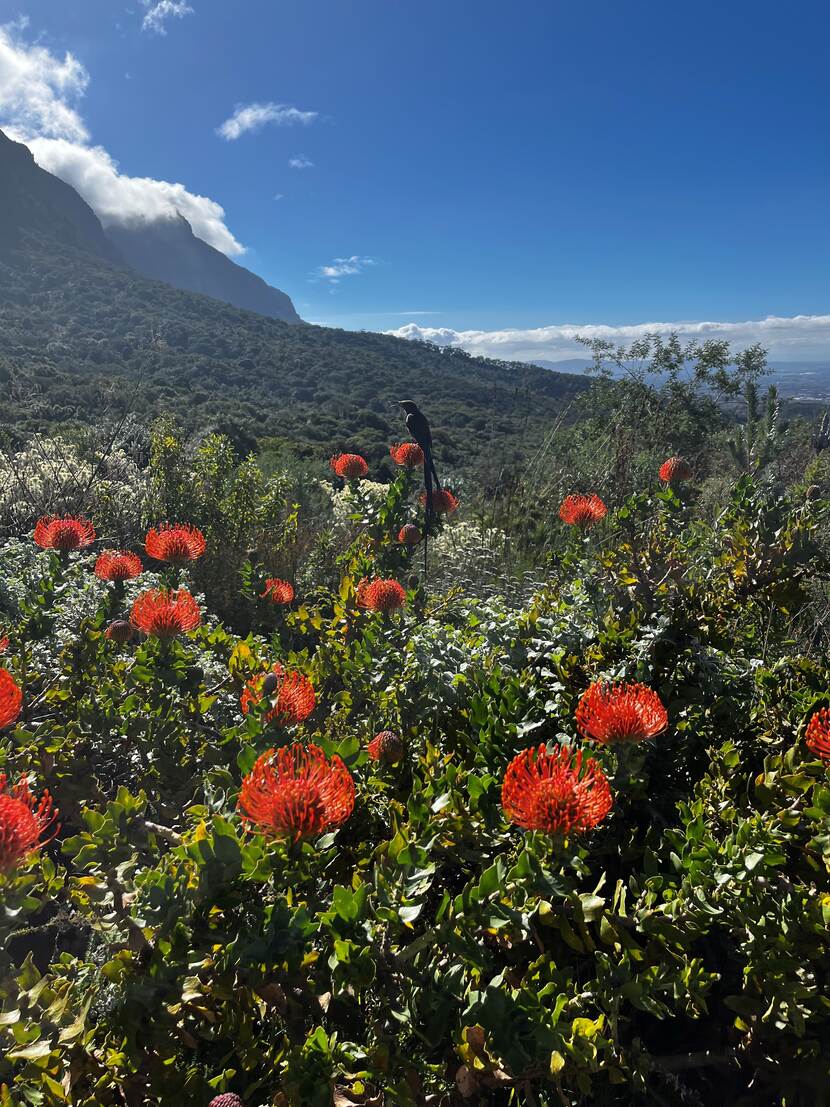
(38, 92)
(159, 11)
(117, 198)
(300, 161)
(38, 89)
(253, 117)
(345, 267)
(796, 336)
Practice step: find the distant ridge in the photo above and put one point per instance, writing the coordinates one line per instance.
(34, 202)
(167, 250)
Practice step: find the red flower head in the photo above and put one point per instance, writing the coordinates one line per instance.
(408, 454)
(11, 698)
(674, 470)
(582, 511)
(387, 747)
(4, 644)
(441, 501)
(611, 713)
(117, 565)
(290, 693)
(65, 532)
(559, 792)
(296, 792)
(163, 614)
(177, 543)
(226, 1100)
(817, 736)
(119, 631)
(409, 535)
(349, 466)
(380, 595)
(23, 821)
(278, 591)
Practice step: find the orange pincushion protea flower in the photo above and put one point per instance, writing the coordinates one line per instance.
(409, 535)
(442, 501)
(291, 695)
(675, 469)
(611, 713)
(582, 511)
(23, 822)
(297, 793)
(278, 591)
(560, 793)
(387, 747)
(11, 698)
(117, 565)
(817, 736)
(176, 543)
(408, 454)
(64, 532)
(380, 595)
(349, 466)
(164, 614)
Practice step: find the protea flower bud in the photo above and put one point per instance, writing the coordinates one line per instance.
(409, 535)
(229, 1099)
(387, 747)
(119, 631)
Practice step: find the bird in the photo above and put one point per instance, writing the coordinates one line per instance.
(418, 426)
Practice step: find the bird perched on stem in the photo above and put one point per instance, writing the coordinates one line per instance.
(418, 426)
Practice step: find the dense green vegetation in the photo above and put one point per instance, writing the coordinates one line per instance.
(420, 948)
(83, 339)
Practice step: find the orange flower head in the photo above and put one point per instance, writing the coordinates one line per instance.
(117, 565)
(582, 511)
(387, 747)
(119, 631)
(610, 713)
(291, 695)
(441, 501)
(560, 792)
(349, 466)
(409, 535)
(297, 793)
(380, 595)
(164, 614)
(278, 591)
(176, 543)
(11, 698)
(23, 822)
(817, 736)
(408, 454)
(675, 469)
(64, 532)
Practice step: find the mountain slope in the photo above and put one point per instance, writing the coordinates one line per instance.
(167, 250)
(82, 338)
(32, 201)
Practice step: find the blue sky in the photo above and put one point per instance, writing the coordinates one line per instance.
(494, 168)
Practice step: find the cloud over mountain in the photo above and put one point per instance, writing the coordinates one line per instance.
(38, 96)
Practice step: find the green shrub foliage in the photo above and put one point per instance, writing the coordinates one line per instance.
(161, 950)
